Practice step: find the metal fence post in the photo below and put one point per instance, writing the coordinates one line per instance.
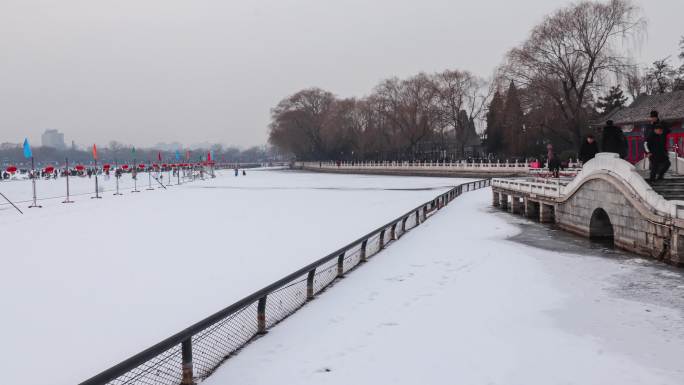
(393, 232)
(186, 353)
(261, 316)
(382, 239)
(417, 213)
(403, 224)
(425, 213)
(363, 251)
(340, 265)
(310, 285)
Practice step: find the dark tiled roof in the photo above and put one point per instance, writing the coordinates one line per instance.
(670, 106)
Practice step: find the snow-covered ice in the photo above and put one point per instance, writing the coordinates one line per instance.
(86, 285)
(467, 298)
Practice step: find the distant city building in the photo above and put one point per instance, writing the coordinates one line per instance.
(54, 139)
(8, 146)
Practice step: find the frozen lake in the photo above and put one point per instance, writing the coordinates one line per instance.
(86, 285)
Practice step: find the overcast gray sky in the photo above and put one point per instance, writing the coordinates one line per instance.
(145, 71)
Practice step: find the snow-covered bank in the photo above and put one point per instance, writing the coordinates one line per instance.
(86, 285)
(456, 301)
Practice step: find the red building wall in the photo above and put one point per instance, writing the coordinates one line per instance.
(635, 141)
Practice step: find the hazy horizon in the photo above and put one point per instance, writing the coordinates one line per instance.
(169, 71)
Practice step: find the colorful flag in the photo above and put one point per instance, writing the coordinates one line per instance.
(94, 152)
(209, 156)
(187, 155)
(28, 154)
(133, 150)
(159, 156)
(177, 155)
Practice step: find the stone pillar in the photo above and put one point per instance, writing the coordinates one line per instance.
(546, 213)
(503, 201)
(495, 199)
(516, 205)
(676, 256)
(531, 209)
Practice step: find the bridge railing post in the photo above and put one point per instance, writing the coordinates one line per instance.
(261, 315)
(186, 362)
(310, 284)
(363, 251)
(340, 265)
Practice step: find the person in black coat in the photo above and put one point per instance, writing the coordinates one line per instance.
(656, 150)
(554, 162)
(614, 140)
(653, 121)
(588, 149)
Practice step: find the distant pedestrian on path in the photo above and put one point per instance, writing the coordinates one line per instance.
(656, 151)
(553, 161)
(614, 140)
(589, 149)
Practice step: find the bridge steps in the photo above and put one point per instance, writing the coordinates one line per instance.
(670, 188)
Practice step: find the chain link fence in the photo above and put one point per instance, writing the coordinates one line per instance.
(194, 353)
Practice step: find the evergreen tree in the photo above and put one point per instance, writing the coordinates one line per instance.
(514, 119)
(494, 124)
(612, 100)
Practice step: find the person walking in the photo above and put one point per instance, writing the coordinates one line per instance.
(614, 140)
(653, 121)
(589, 149)
(656, 151)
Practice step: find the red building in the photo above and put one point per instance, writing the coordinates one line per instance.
(634, 119)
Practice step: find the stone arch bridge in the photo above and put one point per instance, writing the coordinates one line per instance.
(608, 199)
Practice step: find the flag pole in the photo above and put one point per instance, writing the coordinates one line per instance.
(134, 175)
(33, 180)
(149, 176)
(66, 164)
(117, 175)
(97, 190)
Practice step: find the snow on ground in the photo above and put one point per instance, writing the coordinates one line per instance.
(463, 299)
(86, 285)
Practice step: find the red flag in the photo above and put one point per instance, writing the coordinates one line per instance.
(209, 156)
(94, 152)
(187, 155)
(159, 156)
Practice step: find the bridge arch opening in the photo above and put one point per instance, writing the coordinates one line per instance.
(600, 227)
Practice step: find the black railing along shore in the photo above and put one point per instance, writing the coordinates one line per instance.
(194, 353)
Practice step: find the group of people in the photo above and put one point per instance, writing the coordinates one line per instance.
(613, 140)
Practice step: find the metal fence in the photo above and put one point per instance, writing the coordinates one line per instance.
(194, 353)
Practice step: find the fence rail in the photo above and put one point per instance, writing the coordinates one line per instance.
(194, 353)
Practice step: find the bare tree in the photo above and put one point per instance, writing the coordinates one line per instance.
(459, 93)
(634, 82)
(410, 108)
(571, 52)
(297, 123)
(660, 77)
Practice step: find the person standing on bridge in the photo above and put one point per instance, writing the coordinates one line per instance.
(656, 151)
(654, 121)
(554, 162)
(589, 149)
(614, 140)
